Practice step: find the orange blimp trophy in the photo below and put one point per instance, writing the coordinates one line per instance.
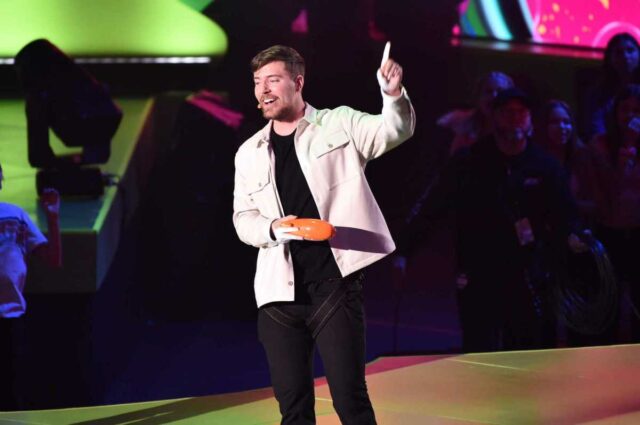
(312, 229)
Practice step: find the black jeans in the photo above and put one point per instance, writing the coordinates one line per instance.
(11, 335)
(289, 345)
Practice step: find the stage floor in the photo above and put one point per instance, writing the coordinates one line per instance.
(596, 385)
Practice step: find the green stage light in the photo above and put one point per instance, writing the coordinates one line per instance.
(142, 28)
(198, 5)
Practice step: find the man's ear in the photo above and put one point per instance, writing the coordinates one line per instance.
(299, 82)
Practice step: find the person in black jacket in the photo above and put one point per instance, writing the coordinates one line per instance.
(513, 214)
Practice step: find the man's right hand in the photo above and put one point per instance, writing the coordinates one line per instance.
(281, 231)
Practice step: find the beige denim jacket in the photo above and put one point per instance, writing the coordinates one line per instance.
(333, 147)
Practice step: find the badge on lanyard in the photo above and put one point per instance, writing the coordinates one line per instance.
(524, 231)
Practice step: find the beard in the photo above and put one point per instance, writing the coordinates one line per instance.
(285, 113)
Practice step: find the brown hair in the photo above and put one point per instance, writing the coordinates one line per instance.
(293, 62)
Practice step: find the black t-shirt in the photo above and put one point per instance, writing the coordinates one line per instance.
(312, 261)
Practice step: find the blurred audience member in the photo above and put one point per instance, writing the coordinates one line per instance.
(19, 238)
(469, 125)
(513, 215)
(555, 131)
(621, 66)
(618, 206)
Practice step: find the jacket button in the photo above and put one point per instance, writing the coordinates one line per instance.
(330, 145)
(290, 283)
(259, 184)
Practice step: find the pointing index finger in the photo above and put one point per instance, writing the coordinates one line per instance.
(385, 55)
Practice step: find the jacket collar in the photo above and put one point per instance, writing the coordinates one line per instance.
(310, 116)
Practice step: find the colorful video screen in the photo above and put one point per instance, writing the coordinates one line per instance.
(584, 23)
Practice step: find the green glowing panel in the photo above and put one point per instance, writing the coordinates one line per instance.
(111, 28)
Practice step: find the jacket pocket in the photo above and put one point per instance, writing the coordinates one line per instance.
(336, 159)
(257, 189)
(330, 142)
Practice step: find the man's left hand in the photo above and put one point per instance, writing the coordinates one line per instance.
(390, 74)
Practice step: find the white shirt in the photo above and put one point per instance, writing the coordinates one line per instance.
(19, 236)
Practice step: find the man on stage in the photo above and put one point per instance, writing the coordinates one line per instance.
(310, 163)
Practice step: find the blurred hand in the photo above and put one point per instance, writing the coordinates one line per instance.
(634, 125)
(282, 231)
(50, 201)
(631, 133)
(462, 281)
(627, 156)
(389, 74)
